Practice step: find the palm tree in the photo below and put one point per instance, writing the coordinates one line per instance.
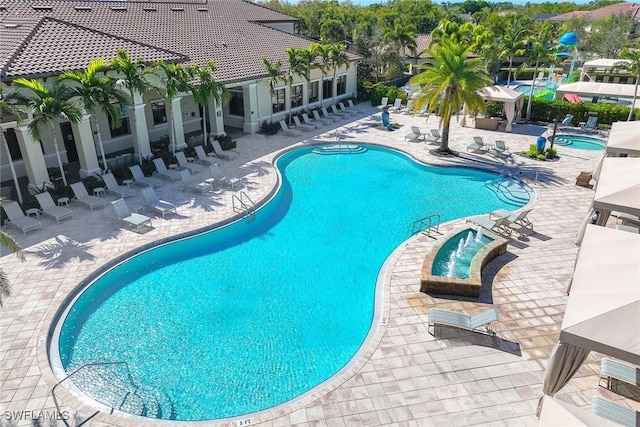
(134, 78)
(401, 36)
(308, 56)
(48, 106)
(297, 66)
(275, 75)
(9, 104)
(95, 93)
(538, 53)
(324, 52)
(175, 80)
(205, 88)
(512, 42)
(338, 58)
(450, 82)
(634, 66)
(7, 241)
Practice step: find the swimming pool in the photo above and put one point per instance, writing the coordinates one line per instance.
(252, 315)
(580, 142)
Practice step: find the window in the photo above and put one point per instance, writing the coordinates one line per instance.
(296, 96)
(327, 89)
(341, 86)
(12, 141)
(124, 128)
(277, 100)
(236, 103)
(159, 112)
(313, 92)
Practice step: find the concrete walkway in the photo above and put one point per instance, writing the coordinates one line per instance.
(405, 376)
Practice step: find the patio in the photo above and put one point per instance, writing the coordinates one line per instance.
(405, 376)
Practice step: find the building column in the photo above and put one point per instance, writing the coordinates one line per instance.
(32, 156)
(139, 130)
(175, 112)
(251, 106)
(216, 120)
(86, 146)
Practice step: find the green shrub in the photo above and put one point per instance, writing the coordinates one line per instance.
(533, 151)
(379, 91)
(494, 108)
(547, 110)
(551, 153)
(541, 157)
(268, 128)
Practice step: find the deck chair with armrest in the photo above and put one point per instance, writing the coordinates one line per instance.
(407, 109)
(189, 182)
(566, 122)
(18, 219)
(184, 163)
(352, 106)
(478, 145)
(397, 105)
(423, 111)
(343, 109)
(325, 120)
(501, 225)
(299, 125)
(125, 215)
(519, 218)
(286, 130)
(480, 322)
(307, 121)
(336, 112)
(203, 157)
(113, 187)
(138, 176)
(223, 154)
(217, 176)
(162, 170)
(383, 103)
(434, 138)
(415, 134)
(614, 412)
(81, 195)
(49, 207)
(499, 149)
(590, 126)
(151, 200)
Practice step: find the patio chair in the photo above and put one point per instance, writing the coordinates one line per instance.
(203, 157)
(352, 106)
(81, 195)
(500, 225)
(326, 114)
(423, 111)
(324, 120)
(18, 219)
(611, 370)
(223, 154)
(138, 176)
(124, 214)
(184, 163)
(113, 187)
(335, 112)
(478, 145)
(407, 109)
(285, 129)
(480, 322)
(343, 109)
(299, 125)
(584, 179)
(434, 138)
(162, 170)
(566, 122)
(519, 218)
(307, 121)
(383, 103)
(614, 412)
(397, 104)
(415, 134)
(217, 176)
(49, 207)
(499, 149)
(189, 182)
(151, 200)
(590, 126)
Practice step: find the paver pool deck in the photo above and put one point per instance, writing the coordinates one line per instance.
(405, 376)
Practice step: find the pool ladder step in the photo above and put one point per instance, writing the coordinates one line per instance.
(508, 190)
(427, 225)
(339, 149)
(242, 203)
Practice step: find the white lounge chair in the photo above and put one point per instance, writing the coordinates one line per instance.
(501, 225)
(397, 104)
(343, 109)
(203, 157)
(499, 149)
(353, 107)
(326, 114)
(335, 112)
(286, 130)
(138, 176)
(124, 214)
(325, 120)
(307, 121)
(49, 207)
(434, 138)
(519, 218)
(611, 370)
(613, 412)
(478, 145)
(113, 187)
(184, 163)
(590, 126)
(189, 182)
(162, 170)
(407, 109)
(480, 322)
(18, 219)
(217, 176)
(80, 192)
(423, 111)
(383, 103)
(299, 125)
(223, 154)
(414, 135)
(151, 200)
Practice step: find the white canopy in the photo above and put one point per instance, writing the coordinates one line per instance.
(624, 138)
(511, 98)
(616, 90)
(602, 311)
(618, 187)
(605, 63)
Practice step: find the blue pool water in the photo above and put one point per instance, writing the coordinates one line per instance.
(251, 315)
(580, 142)
(440, 265)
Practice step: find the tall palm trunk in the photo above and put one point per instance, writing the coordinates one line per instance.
(204, 124)
(322, 89)
(55, 144)
(509, 75)
(13, 170)
(531, 92)
(97, 132)
(444, 142)
(633, 101)
(134, 126)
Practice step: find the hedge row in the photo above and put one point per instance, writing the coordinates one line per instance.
(546, 110)
(379, 91)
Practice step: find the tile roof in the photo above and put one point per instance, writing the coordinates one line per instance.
(233, 33)
(631, 9)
